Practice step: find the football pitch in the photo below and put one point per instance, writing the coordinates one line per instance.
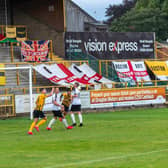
(127, 139)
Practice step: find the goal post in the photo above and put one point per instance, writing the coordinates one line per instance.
(29, 68)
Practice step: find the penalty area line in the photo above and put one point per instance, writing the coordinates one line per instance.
(10, 132)
(107, 158)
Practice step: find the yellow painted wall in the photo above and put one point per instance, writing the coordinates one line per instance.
(2, 75)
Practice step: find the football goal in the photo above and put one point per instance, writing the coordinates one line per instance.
(26, 74)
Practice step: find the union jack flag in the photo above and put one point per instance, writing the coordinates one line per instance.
(35, 51)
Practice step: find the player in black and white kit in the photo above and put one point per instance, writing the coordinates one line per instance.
(57, 107)
(76, 105)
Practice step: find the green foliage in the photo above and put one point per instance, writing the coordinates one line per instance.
(147, 16)
(142, 4)
(165, 6)
(116, 11)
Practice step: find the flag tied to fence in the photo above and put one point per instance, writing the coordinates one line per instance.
(35, 51)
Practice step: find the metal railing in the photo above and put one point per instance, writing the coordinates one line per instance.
(7, 105)
(3, 28)
(34, 75)
(92, 61)
(7, 101)
(14, 51)
(115, 85)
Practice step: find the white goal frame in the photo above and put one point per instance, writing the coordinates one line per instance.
(30, 85)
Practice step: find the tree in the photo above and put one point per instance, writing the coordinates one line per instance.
(116, 11)
(142, 4)
(165, 6)
(147, 16)
(149, 4)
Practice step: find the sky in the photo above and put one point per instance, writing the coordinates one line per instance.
(96, 8)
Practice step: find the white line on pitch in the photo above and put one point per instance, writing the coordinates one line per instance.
(11, 132)
(107, 158)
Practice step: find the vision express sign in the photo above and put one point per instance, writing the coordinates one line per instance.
(110, 45)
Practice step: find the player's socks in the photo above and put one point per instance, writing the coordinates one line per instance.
(73, 120)
(37, 128)
(65, 122)
(80, 118)
(32, 126)
(41, 122)
(60, 119)
(52, 121)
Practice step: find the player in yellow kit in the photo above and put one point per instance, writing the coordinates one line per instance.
(67, 101)
(38, 113)
(67, 97)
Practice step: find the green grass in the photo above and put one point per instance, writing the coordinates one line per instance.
(127, 139)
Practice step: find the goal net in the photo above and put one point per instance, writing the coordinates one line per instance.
(17, 82)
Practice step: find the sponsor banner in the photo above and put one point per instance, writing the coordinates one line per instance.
(35, 51)
(85, 99)
(21, 34)
(167, 63)
(127, 97)
(101, 99)
(84, 96)
(140, 71)
(11, 32)
(159, 69)
(110, 45)
(124, 72)
(22, 103)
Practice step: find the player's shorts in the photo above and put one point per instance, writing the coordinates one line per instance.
(66, 108)
(38, 114)
(58, 114)
(76, 108)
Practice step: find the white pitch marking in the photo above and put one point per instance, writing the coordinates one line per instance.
(107, 158)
